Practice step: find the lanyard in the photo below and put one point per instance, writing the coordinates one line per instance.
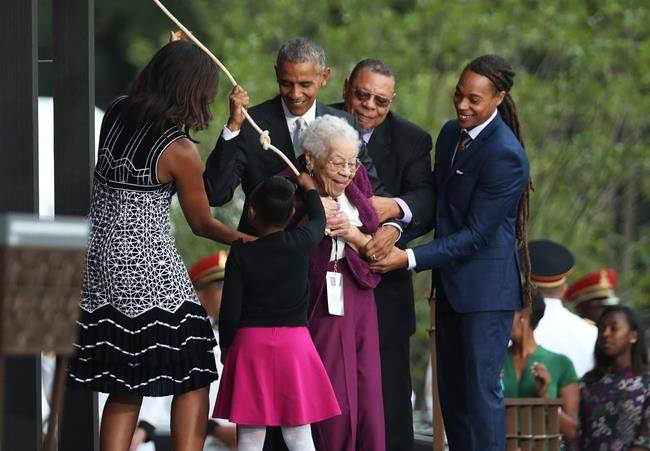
(336, 254)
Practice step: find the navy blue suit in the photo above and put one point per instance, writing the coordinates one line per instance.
(476, 276)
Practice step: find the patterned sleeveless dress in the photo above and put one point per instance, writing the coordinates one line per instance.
(142, 329)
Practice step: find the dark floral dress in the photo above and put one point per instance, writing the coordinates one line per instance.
(615, 411)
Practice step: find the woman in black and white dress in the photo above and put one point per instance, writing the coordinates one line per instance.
(142, 330)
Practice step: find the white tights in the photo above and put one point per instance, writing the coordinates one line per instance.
(297, 438)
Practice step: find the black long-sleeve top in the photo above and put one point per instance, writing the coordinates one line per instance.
(266, 281)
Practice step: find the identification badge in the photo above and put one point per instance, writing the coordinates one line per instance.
(334, 284)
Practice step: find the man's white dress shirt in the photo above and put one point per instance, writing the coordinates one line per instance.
(563, 332)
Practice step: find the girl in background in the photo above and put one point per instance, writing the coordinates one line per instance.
(615, 395)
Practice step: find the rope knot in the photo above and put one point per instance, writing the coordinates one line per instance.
(265, 140)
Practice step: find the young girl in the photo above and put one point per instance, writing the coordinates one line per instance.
(272, 373)
(615, 395)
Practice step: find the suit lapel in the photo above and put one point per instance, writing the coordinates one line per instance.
(276, 123)
(449, 144)
(380, 141)
(474, 148)
(320, 109)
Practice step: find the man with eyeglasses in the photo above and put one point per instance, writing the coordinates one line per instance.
(238, 156)
(401, 152)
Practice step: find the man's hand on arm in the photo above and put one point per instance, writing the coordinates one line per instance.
(386, 208)
(381, 243)
(396, 258)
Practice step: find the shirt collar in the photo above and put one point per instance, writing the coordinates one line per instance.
(553, 302)
(309, 115)
(474, 132)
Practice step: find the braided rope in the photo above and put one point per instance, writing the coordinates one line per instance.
(265, 139)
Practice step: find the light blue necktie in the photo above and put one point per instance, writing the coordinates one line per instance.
(298, 127)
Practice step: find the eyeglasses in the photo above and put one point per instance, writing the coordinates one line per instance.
(339, 164)
(363, 96)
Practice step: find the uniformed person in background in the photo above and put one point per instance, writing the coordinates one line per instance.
(593, 293)
(560, 330)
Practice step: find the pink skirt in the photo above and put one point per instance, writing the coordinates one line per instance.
(274, 376)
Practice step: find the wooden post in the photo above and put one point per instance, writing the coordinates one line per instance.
(438, 425)
(74, 145)
(74, 105)
(512, 443)
(532, 424)
(19, 107)
(20, 414)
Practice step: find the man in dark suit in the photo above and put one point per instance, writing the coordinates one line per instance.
(481, 175)
(238, 156)
(401, 152)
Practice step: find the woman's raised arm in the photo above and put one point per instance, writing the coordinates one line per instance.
(181, 162)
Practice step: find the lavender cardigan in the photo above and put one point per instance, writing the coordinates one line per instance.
(358, 192)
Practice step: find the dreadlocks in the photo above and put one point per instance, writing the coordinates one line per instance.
(500, 73)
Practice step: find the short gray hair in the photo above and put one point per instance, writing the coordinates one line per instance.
(318, 135)
(302, 50)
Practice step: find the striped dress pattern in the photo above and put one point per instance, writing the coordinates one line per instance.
(141, 328)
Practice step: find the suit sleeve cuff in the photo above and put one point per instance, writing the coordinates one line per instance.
(227, 135)
(396, 225)
(408, 215)
(411, 257)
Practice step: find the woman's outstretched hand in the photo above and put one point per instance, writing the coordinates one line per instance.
(381, 243)
(181, 163)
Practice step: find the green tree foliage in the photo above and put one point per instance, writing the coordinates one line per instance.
(582, 91)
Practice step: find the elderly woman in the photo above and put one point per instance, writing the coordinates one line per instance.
(342, 313)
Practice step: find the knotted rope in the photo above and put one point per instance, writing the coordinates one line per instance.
(265, 139)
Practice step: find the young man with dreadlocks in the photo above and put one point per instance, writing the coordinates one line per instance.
(481, 176)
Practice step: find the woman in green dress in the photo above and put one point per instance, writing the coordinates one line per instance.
(530, 371)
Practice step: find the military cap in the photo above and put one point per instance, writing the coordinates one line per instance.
(595, 286)
(550, 263)
(209, 269)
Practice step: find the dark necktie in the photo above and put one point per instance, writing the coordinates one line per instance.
(463, 142)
